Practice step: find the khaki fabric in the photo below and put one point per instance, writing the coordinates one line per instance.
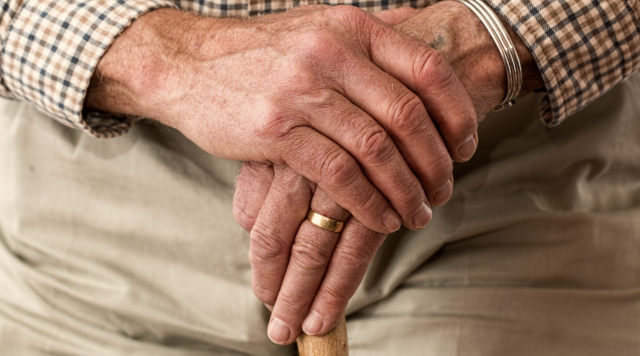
(128, 246)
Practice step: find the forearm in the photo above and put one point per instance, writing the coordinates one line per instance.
(141, 72)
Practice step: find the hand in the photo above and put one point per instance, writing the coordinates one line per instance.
(315, 283)
(315, 274)
(317, 88)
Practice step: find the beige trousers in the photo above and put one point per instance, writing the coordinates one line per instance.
(128, 246)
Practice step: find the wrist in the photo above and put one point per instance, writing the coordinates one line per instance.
(455, 31)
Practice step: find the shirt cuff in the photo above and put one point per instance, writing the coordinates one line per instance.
(582, 47)
(52, 48)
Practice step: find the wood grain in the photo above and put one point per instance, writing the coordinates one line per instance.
(332, 344)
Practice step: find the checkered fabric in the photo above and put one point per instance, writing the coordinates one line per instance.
(51, 47)
(582, 48)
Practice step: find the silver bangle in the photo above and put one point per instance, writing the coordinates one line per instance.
(505, 46)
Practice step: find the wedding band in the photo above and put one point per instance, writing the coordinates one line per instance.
(324, 222)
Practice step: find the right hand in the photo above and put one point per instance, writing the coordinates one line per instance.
(312, 273)
(319, 89)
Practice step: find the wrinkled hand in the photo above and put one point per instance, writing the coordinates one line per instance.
(309, 278)
(323, 90)
(315, 273)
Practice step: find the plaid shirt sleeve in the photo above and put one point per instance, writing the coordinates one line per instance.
(50, 49)
(582, 47)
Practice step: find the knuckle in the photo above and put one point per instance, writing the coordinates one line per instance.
(356, 254)
(263, 293)
(243, 218)
(274, 124)
(288, 182)
(465, 118)
(290, 304)
(300, 77)
(368, 201)
(411, 194)
(469, 119)
(407, 113)
(312, 256)
(318, 46)
(338, 169)
(441, 168)
(375, 145)
(355, 19)
(336, 297)
(315, 43)
(356, 258)
(473, 123)
(348, 13)
(460, 129)
(265, 247)
(431, 69)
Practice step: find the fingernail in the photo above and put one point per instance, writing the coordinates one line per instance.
(467, 149)
(269, 307)
(313, 323)
(278, 331)
(422, 216)
(443, 194)
(391, 220)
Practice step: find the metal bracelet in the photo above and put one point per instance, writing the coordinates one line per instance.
(506, 48)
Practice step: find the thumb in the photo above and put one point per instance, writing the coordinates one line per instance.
(396, 16)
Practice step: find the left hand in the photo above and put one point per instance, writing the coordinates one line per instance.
(289, 273)
(310, 283)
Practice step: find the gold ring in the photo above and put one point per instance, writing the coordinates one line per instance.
(324, 222)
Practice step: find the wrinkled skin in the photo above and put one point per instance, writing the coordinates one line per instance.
(337, 109)
(334, 93)
(306, 275)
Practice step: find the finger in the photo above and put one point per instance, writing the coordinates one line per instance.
(252, 186)
(322, 161)
(426, 72)
(402, 114)
(396, 16)
(351, 257)
(380, 160)
(309, 257)
(271, 238)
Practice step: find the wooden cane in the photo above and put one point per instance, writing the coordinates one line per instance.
(332, 344)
